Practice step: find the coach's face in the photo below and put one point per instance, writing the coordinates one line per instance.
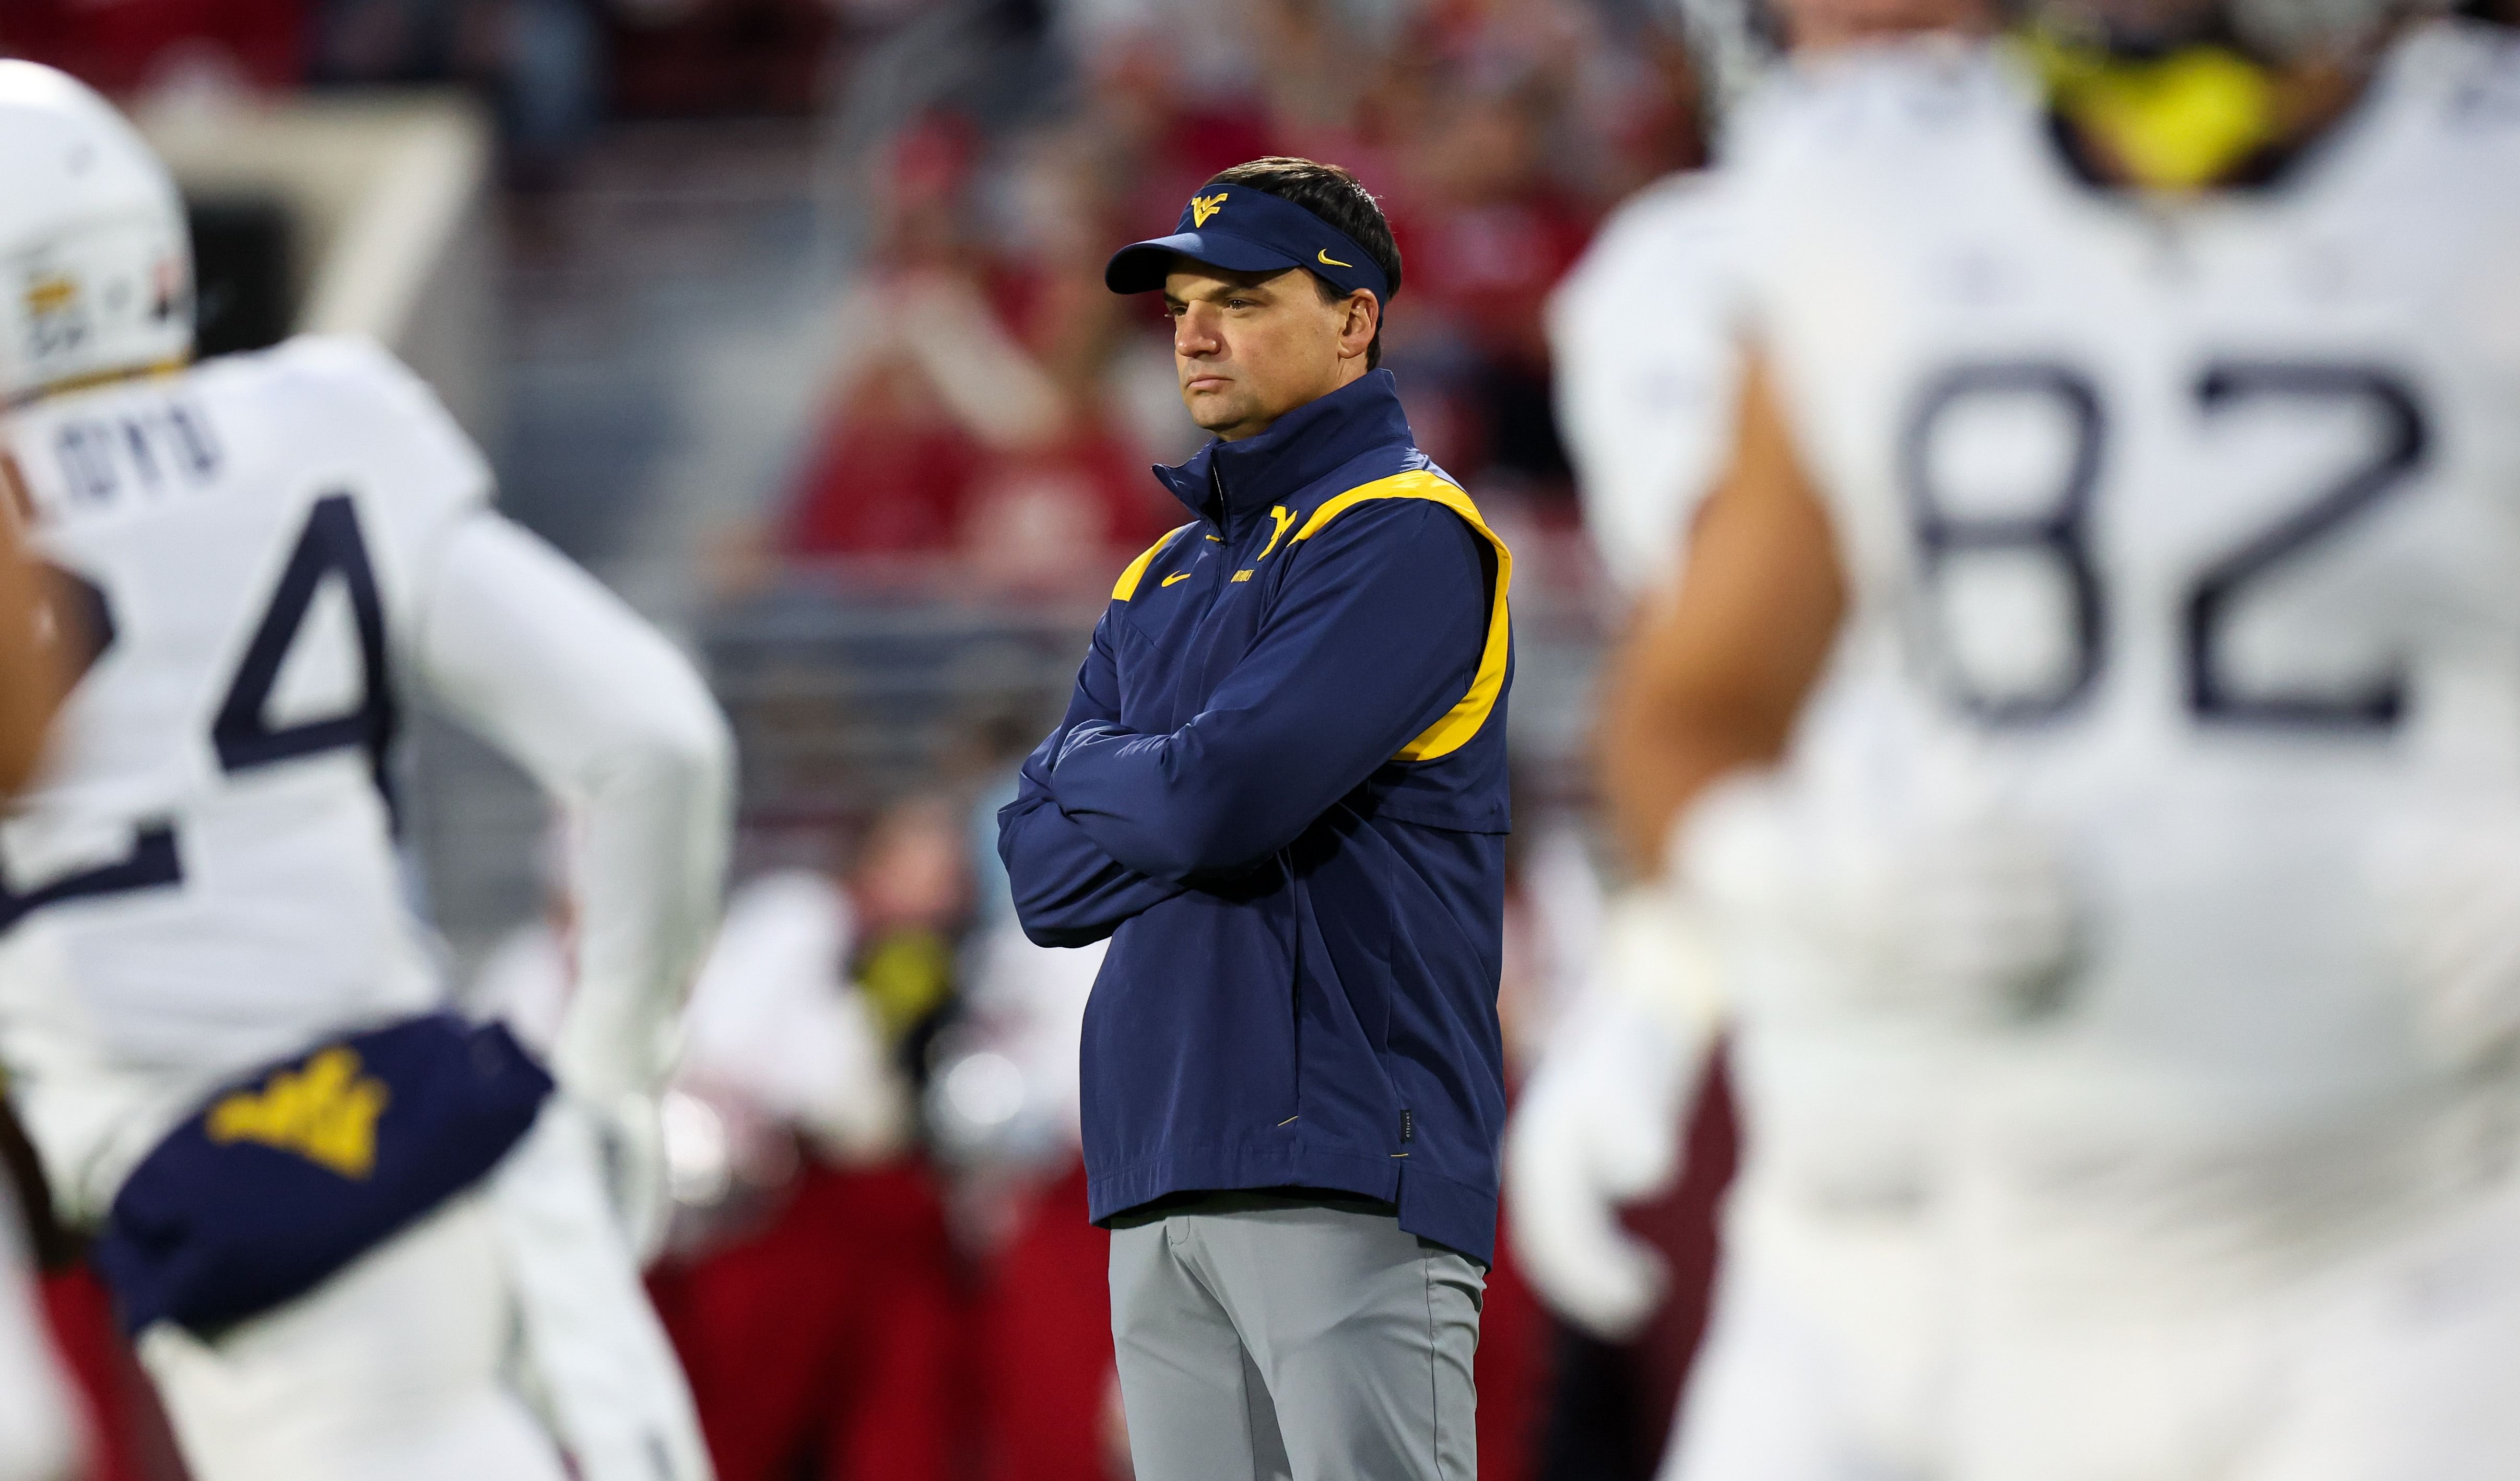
(1251, 347)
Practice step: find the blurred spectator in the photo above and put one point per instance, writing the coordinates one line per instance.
(981, 418)
(828, 1321)
(1005, 1105)
(811, 1289)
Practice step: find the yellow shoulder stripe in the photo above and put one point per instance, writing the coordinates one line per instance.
(1466, 717)
(1137, 572)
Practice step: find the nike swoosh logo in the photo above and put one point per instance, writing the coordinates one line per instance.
(1330, 261)
(1169, 581)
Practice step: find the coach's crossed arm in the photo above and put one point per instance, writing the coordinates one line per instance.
(1375, 636)
(1067, 891)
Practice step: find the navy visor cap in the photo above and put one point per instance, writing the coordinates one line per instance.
(1247, 231)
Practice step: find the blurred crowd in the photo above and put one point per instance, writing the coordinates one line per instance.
(1001, 405)
(882, 1265)
(995, 404)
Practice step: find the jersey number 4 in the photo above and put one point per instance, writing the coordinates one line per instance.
(2061, 535)
(241, 731)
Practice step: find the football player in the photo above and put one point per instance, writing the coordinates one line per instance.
(1828, 1342)
(328, 1207)
(2141, 401)
(38, 1428)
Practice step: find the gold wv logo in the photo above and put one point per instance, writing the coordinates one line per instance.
(1203, 206)
(326, 1113)
(1281, 516)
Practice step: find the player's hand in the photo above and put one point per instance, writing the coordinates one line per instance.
(2446, 876)
(1929, 893)
(1599, 1123)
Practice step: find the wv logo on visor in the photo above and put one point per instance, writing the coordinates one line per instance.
(326, 1113)
(1203, 206)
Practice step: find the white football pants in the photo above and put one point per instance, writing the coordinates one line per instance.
(395, 1370)
(410, 1363)
(1826, 1354)
(2402, 1362)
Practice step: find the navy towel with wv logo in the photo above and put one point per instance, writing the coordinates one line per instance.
(284, 1177)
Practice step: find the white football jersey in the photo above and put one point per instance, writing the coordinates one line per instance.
(212, 851)
(1646, 329)
(276, 556)
(1845, 1110)
(1646, 334)
(2205, 515)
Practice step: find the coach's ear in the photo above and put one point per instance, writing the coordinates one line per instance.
(1360, 318)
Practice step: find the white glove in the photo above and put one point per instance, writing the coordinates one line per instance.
(2446, 876)
(595, 1360)
(1932, 895)
(1598, 1122)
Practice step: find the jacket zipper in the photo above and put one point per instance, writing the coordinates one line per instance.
(1224, 522)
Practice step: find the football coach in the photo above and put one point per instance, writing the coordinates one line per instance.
(1279, 790)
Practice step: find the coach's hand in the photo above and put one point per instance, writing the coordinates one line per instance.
(1923, 888)
(1598, 1122)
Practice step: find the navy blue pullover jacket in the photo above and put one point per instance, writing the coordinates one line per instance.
(1281, 790)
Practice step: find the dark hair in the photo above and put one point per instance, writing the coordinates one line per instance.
(1333, 195)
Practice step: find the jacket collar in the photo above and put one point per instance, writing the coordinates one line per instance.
(1306, 444)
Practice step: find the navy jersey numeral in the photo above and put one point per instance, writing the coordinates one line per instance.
(79, 613)
(2062, 534)
(2404, 441)
(330, 546)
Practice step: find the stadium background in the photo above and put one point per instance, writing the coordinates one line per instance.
(784, 317)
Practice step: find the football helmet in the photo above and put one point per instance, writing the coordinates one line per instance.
(96, 265)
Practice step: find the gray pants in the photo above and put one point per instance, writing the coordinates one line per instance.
(1263, 1338)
